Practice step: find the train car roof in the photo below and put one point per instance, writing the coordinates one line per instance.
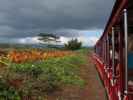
(116, 11)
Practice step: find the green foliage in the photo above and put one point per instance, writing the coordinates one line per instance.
(29, 68)
(73, 44)
(7, 92)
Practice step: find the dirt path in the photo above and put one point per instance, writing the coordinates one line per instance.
(93, 89)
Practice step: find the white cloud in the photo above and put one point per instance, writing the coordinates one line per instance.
(26, 40)
(87, 41)
(92, 41)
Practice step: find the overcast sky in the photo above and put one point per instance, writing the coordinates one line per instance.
(22, 20)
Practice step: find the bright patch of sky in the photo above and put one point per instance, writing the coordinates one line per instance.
(88, 38)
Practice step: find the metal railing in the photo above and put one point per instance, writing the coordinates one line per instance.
(126, 51)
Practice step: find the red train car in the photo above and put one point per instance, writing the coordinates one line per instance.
(114, 52)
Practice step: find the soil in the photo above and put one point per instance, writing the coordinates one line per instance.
(93, 90)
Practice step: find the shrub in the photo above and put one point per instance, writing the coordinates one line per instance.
(73, 44)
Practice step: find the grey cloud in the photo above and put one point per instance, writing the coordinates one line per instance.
(22, 18)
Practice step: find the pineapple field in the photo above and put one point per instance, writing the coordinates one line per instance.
(33, 74)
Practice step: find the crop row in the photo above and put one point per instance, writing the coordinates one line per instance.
(34, 55)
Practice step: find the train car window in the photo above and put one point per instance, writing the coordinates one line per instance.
(110, 48)
(110, 39)
(130, 45)
(130, 59)
(116, 55)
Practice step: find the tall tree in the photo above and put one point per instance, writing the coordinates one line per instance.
(73, 44)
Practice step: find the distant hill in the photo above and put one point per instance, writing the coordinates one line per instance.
(6, 45)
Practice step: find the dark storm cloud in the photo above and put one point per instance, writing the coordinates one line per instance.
(22, 18)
